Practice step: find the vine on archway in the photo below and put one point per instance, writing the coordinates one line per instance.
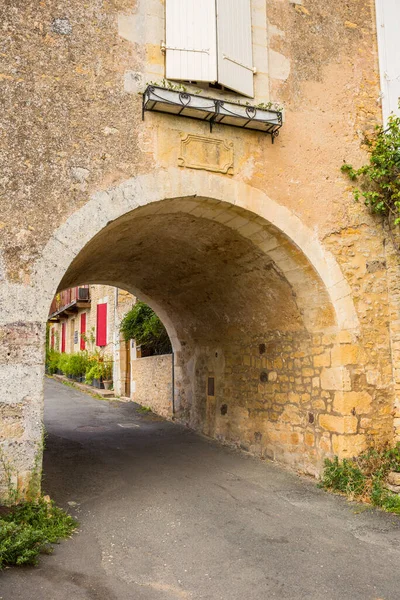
(379, 179)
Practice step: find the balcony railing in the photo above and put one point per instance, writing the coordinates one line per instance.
(69, 298)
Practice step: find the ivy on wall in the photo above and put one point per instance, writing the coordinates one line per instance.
(379, 179)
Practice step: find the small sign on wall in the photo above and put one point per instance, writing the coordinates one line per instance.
(76, 337)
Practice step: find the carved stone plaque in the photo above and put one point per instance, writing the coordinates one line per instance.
(210, 154)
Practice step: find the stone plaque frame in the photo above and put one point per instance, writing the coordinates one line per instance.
(209, 154)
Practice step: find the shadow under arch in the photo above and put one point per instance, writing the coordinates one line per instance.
(105, 207)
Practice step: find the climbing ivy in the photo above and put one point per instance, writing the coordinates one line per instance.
(379, 179)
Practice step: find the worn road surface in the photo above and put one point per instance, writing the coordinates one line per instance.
(165, 514)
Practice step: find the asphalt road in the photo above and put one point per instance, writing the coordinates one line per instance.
(166, 514)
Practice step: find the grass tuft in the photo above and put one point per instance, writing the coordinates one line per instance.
(29, 529)
(144, 410)
(364, 478)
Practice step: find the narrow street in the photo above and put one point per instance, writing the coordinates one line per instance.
(165, 514)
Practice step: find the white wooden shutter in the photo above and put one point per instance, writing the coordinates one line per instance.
(235, 53)
(388, 28)
(191, 40)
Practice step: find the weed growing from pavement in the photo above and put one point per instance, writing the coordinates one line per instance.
(29, 529)
(144, 409)
(364, 478)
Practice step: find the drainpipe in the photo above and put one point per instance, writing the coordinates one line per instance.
(173, 383)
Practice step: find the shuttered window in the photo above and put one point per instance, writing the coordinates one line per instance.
(235, 51)
(101, 329)
(191, 40)
(83, 331)
(388, 29)
(210, 40)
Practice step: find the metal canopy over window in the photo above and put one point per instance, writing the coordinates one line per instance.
(159, 99)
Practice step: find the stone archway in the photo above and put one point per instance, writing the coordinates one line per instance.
(250, 298)
(104, 207)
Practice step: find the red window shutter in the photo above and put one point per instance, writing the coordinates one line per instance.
(83, 331)
(101, 332)
(63, 332)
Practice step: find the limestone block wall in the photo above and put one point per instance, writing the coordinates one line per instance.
(290, 397)
(151, 383)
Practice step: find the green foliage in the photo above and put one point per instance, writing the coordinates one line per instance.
(77, 364)
(100, 367)
(28, 530)
(52, 361)
(143, 325)
(144, 410)
(379, 179)
(63, 363)
(107, 368)
(92, 365)
(344, 476)
(92, 373)
(10, 476)
(363, 478)
(168, 85)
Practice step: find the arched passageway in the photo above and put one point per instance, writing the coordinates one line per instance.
(242, 333)
(246, 311)
(261, 319)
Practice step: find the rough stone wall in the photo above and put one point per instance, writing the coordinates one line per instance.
(152, 383)
(72, 136)
(83, 66)
(287, 396)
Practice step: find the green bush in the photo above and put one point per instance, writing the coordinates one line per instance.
(143, 325)
(29, 529)
(99, 367)
(52, 360)
(63, 363)
(363, 478)
(78, 364)
(70, 364)
(94, 372)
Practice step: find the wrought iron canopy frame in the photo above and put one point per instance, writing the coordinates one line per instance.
(223, 112)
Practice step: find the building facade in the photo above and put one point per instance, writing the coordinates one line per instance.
(88, 318)
(138, 154)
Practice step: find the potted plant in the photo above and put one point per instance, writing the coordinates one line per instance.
(94, 375)
(79, 364)
(107, 369)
